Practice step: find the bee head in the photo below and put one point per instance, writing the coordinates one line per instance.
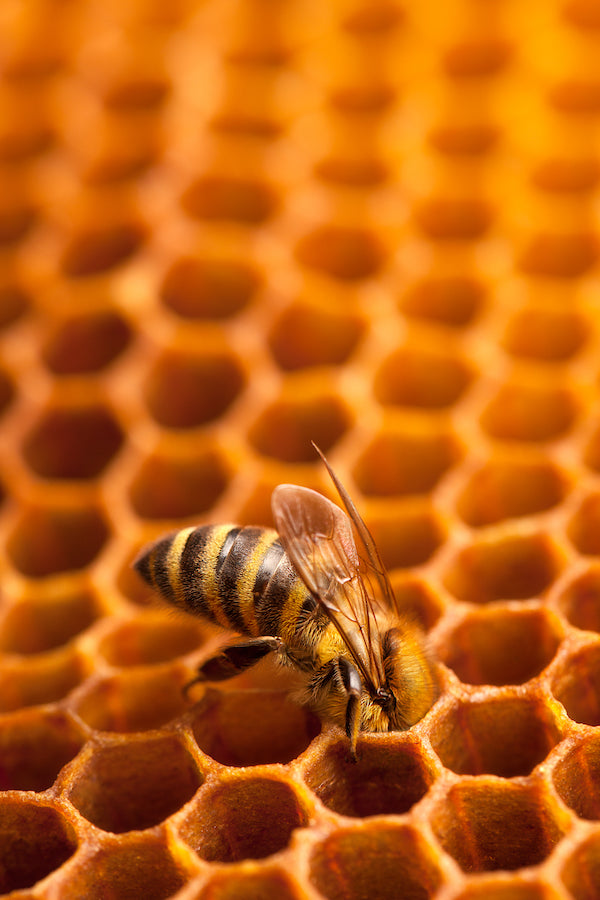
(410, 688)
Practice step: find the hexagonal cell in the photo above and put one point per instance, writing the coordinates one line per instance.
(372, 18)
(407, 538)
(581, 871)
(584, 527)
(559, 255)
(487, 824)
(99, 248)
(419, 378)
(252, 728)
(307, 335)
(506, 489)
(452, 301)
(152, 639)
(506, 736)
(373, 862)
(85, 343)
(36, 624)
(463, 139)
(35, 840)
(209, 288)
(524, 413)
(545, 335)
(444, 219)
(138, 700)
(576, 684)
(502, 646)
(273, 884)
(215, 197)
(364, 173)
(362, 98)
(34, 746)
(188, 390)
(348, 254)
(133, 785)
(247, 817)
(388, 779)
(514, 567)
(14, 302)
(567, 174)
(285, 429)
(35, 680)
(136, 865)
(576, 776)
(172, 487)
(476, 58)
(580, 601)
(72, 442)
(405, 463)
(48, 540)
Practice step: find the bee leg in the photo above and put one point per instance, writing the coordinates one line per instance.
(235, 659)
(352, 684)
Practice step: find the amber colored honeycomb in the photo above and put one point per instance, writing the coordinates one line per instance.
(231, 227)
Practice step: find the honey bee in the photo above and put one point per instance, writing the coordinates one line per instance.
(306, 594)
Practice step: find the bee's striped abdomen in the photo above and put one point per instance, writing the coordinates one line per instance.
(239, 578)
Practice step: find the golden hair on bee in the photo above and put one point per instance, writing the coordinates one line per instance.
(315, 593)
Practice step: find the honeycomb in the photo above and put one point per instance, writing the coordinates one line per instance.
(231, 227)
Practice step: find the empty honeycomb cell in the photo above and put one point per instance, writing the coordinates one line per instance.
(567, 174)
(6, 390)
(72, 442)
(387, 779)
(136, 91)
(416, 599)
(488, 824)
(35, 840)
(197, 288)
(513, 567)
(504, 736)
(559, 255)
(175, 486)
(48, 540)
(469, 139)
(476, 58)
(363, 173)
(214, 197)
(444, 219)
(249, 817)
(347, 254)
(576, 684)
(583, 14)
(376, 862)
(502, 646)
(584, 527)
(362, 98)
(454, 301)
(506, 489)
(405, 463)
(270, 885)
(85, 343)
(374, 18)
(544, 334)
(127, 868)
(576, 97)
(134, 784)
(120, 157)
(99, 248)
(37, 623)
(580, 601)
(14, 302)
(34, 746)
(308, 335)
(151, 639)
(186, 390)
(251, 728)
(520, 412)
(416, 378)
(576, 776)
(406, 539)
(137, 700)
(581, 871)
(34, 680)
(285, 429)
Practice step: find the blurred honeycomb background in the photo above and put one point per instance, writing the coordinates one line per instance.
(230, 227)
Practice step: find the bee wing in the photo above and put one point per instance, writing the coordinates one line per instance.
(318, 538)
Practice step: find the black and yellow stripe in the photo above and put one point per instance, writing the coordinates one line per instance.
(239, 578)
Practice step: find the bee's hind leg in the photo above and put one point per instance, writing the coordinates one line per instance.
(352, 684)
(235, 659)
